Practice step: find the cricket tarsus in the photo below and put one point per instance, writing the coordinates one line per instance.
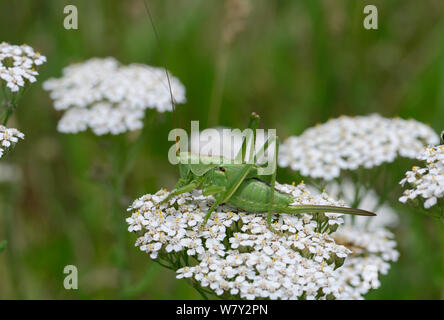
(240, 185)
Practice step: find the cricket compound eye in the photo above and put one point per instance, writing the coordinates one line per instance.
(442, 137)
(222, 169)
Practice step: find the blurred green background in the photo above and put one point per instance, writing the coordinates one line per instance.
(296, 63)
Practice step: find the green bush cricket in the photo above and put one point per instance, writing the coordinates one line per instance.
(241, 184)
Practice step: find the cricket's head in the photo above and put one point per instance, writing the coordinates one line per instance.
(218, 176)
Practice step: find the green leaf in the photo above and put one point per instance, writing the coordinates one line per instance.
(3, 245)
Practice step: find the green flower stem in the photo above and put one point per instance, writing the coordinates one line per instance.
(2, 116)
(440, 229)
(11, 104)
(123, 159)
(115, 188)
(3, 245)
(11, 250)
(201, 291)
(120, 234)
(140, 287)
(8, 114)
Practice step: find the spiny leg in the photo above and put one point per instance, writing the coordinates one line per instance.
(253, 124)
(259, 154)
(261, 151)
(272, 185)
(314, 208)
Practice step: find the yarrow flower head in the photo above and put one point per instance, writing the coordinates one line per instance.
(372, 244)
(347, 143)
(107, 97)
(8, 138)
(427, 182)
(235, 254)
(18, 65)
(373, 251)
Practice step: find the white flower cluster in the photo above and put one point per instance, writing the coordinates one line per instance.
(8, 138)
(111, 98)
(18, 64)
(346, 143)
(235, 254)
(371, 242)
(373, 251)
(427, 182)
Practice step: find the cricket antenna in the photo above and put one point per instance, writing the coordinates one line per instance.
(173, 103)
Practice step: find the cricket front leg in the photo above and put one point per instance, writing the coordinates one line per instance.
(212, 190)
(229, 190)
(212, 208)
(180, 183)
(186, 188)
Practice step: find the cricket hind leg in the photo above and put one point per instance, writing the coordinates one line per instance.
(253, 124)
(264, 147)
(272, 186)
(259, 154)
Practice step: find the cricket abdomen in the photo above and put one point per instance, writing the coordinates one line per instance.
(253, 196)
